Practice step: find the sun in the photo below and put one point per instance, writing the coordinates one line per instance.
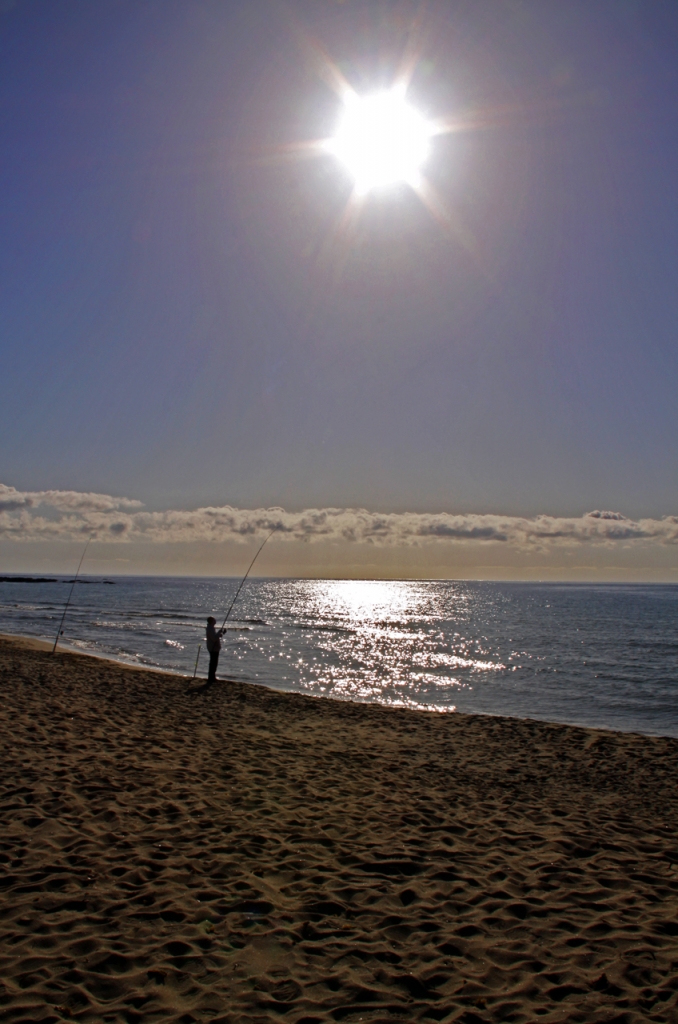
(381, 140)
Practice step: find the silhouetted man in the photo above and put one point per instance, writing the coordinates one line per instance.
(213, 644)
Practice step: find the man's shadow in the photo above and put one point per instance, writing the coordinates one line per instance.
(193, 691)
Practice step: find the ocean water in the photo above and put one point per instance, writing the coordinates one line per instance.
(599, 655)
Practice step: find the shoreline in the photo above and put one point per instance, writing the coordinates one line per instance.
(232, 852)
(38, 643)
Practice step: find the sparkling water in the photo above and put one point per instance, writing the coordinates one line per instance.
(601, 655)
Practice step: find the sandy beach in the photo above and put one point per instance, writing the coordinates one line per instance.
(175, 853)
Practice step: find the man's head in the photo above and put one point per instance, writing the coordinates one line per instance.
(211, 621)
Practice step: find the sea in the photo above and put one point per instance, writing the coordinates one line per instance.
(584, 654)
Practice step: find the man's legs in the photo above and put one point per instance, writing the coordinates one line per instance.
(214, 661)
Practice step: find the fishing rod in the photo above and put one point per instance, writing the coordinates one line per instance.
(261, 548)
(63, 617)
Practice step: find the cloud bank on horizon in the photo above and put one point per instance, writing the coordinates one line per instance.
(72, 515)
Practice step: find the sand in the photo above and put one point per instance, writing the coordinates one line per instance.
(170, 853)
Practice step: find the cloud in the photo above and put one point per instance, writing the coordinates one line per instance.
(72, 515)
(63, 501)
(605, 515)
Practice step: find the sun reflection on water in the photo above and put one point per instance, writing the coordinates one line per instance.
(366, 599)
(373, 641)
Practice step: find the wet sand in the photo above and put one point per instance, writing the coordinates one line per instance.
(175, 853)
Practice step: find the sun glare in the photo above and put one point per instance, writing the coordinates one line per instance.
(381, 140)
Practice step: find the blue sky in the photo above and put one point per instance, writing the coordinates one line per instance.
(182, 324)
